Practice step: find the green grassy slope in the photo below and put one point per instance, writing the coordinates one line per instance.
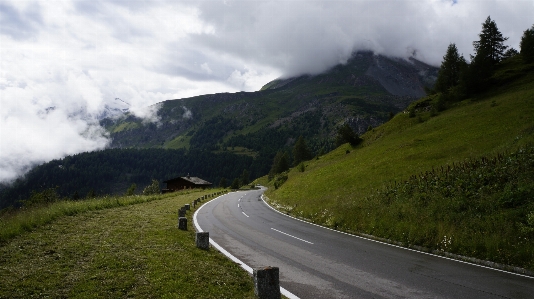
(129, 251)
(340, 188)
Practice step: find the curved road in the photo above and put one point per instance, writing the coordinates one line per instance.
(316, 262)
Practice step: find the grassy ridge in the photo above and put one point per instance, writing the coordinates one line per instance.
(132, 250)
(340, 189)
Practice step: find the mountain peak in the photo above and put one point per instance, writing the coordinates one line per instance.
(398, 76)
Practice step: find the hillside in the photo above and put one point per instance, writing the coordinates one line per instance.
(364, 92)
(360, 189)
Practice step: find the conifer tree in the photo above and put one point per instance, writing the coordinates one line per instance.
(489, 50)
(222, 183)
(301, 152)
(451, 67)
(490, 47)
(280, 164)
(235, 184)
(245, 177)
(527, 45)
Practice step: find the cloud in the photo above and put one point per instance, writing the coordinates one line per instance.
(32, 131)
(310, 36)
(20, 23)
(148, 114)
(63, 62)
(187, 113)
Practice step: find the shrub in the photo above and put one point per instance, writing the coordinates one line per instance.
(131, 190)
(46, 196)
(152, 188)
(346, 134)
(279, 180)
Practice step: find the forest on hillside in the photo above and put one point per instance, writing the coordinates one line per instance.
(113, 171)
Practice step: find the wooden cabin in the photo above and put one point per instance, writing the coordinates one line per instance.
(185, 182)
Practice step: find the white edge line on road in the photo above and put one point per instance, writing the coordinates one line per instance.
(244, 214)
(393, 245)
(247, 268)
(291, 236)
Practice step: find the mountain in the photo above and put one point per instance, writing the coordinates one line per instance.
(220, 135)
(114, 109)
(364, 92)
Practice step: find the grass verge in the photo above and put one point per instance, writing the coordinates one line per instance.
(128, 251)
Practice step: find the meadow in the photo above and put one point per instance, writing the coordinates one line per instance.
(112, 247)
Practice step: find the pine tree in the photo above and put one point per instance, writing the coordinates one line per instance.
(489, 50)
(222, 183)
(280, 164)
(245, 177)
(301, 152)
(490, 46)
(527, 45)
(235, 184)
(451, 67)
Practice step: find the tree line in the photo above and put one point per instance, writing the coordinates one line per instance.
(458, 79)
(115, 171)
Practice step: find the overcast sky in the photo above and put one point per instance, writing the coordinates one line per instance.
(62, 61)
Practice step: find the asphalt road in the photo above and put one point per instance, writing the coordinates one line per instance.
(316, 262)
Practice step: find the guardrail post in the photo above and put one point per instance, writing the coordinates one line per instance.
(182, 223)
(266, 283)
(202, 240)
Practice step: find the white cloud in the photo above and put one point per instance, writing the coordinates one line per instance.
(310, 36)
(188, 114)
(61, 62)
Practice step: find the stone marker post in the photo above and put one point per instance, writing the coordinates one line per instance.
(187, 207)
(266, 283)
(182, 223)
(181, 212)
(203, 240)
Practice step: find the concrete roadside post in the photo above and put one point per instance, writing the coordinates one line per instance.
(182, 223)
(181, 212)
(202, 240)
(187, 207)
(267, 283)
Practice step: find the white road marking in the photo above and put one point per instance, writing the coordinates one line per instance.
(246, 267)
(292, 236)
(238, 205)
(244, 214)
(400, 247)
